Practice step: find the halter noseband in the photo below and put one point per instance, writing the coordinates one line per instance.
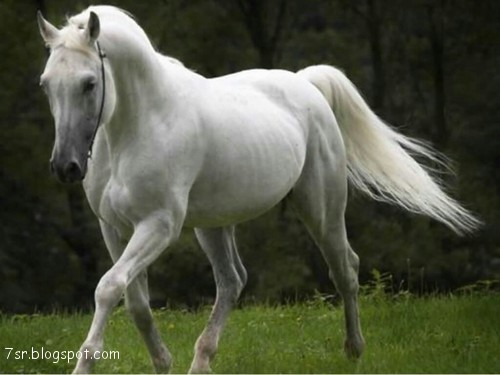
(102, 55)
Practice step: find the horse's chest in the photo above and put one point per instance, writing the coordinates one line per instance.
(115, 206)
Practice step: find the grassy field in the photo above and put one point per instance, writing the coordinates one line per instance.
(453, 334)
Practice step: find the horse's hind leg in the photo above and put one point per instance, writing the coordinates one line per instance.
(230, 278)
(319, 198)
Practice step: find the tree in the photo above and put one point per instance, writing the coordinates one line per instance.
(369, 12)
(265, 22)
(435, 12)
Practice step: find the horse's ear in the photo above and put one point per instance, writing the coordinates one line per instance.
(93, 28)
(48, 31)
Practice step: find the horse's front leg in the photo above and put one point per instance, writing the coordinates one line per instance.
(150, 238)
(137, 303)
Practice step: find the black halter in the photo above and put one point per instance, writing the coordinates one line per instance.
(102, 55)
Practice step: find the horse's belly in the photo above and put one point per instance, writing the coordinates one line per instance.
(246, 177)
(234, 204)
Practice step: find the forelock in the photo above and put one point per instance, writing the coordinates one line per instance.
(72, 35)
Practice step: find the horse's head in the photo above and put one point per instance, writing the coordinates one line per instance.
(77, 88)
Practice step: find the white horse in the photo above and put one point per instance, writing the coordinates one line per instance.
(175, 149)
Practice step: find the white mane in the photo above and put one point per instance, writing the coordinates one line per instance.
(117, 25)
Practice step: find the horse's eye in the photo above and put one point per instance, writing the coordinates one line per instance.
(88, 86)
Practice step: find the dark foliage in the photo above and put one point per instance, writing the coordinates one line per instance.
(429, 67)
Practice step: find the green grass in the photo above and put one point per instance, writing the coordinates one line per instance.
(454, 334)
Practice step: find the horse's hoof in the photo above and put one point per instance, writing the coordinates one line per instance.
(354, 348)
(207, 370)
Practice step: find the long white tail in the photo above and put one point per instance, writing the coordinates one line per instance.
(379, 159)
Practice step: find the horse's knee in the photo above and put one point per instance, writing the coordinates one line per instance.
(109, 290)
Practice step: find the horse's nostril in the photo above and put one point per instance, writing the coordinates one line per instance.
(67, 171)
(73, 171)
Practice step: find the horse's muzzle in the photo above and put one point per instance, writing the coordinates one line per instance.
(67, 172)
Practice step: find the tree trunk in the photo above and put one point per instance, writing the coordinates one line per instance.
(378, 85)
(439, 131)
(41, 6)
(370, 17)
(265, 30)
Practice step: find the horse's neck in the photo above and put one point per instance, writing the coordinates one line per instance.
(146, 91)
(145, 81)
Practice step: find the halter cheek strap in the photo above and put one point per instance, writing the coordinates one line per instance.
(102, 55)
